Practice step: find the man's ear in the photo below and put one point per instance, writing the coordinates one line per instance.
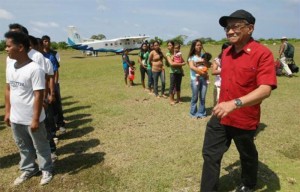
(20, 47)
(251, 29)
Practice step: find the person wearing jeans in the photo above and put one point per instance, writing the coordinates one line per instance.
(150, 79)
(156, 76)
(198, 80)
(24, 111)
(156, 61)
(32, 145)
(199, 89)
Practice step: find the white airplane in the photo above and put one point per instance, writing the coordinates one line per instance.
(117, 45)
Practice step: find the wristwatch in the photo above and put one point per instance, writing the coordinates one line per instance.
(238, 103)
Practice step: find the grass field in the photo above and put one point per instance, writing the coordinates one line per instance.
(122, 139)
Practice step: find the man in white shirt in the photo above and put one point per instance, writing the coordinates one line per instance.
(23, 109)
(283, 57)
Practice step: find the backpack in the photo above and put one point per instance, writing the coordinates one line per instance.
(289, 51)
(278, 68)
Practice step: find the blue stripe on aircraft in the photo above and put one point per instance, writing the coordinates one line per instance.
(85, 48)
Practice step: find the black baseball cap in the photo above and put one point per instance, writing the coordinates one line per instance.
(239, 14)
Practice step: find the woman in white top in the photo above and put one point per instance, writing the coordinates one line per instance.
(216, 70)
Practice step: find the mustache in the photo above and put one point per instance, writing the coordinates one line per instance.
(232, 35)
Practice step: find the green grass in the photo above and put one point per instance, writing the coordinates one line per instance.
(122, 139)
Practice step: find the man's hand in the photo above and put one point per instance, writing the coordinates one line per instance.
(7, 120)
(51, 99)
(34, 125)
(223, 109)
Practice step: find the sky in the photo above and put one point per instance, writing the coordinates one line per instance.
(165, 19)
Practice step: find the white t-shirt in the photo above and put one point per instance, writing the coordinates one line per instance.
(35, 56)
(23, 82)
(218, 77)
(38, 58)
(195, 59)
(57, 57)
(49, 67)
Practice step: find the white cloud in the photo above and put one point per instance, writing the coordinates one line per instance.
(101, 5)
(165, 13)
(295, 1)
(5, 14)
(36, 30)
(190, 32)
(44, 24)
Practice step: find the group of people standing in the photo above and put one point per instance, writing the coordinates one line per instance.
(33, 107)
(245, 77)
(153, 63)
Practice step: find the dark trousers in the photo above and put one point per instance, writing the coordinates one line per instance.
(143, 73)
(57, 108)
(175, 82)
(50, 126)
(216, 142)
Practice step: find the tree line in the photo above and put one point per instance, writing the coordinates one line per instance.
(180, 39)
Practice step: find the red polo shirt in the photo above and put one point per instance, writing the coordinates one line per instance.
(242, 73)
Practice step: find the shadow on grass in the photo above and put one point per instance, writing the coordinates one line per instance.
(78, 147)
(73, 109)
(186, 99)
(76, 116)
(209, 110)
(76, 133)
(69, 103)
(78, 57)
(66, 98)
(73, 130)
(78, 159)
(77, 123)
(9, 160)
(261, 127)
(2, 124)
(78, 162)
(267, 179)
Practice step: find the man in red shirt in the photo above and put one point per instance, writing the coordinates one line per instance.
(248, 77)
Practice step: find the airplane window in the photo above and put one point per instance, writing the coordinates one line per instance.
(111, 44)
(106, 44)
(120, 43)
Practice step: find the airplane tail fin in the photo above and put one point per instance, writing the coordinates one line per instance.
(73, 37)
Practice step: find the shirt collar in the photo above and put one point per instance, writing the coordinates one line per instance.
(246, 49)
